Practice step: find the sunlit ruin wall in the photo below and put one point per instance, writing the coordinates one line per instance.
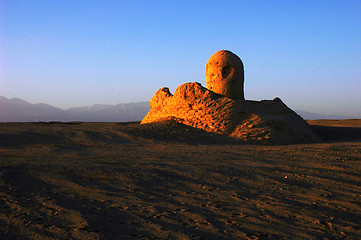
(221, 107)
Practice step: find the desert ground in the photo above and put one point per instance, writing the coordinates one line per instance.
(169, 181)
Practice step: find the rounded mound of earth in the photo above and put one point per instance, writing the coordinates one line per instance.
(266, 122)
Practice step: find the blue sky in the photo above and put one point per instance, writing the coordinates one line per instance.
(75, 53)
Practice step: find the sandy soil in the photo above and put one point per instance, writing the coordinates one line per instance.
(167, 181)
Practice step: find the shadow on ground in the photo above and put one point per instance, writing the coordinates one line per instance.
(337, 134)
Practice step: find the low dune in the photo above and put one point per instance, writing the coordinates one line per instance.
(170, 181)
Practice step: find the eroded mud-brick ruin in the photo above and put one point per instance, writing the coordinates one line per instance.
(221, 107)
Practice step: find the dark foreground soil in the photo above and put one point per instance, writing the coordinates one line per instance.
(167, 181)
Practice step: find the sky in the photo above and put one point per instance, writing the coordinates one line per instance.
(79, 53)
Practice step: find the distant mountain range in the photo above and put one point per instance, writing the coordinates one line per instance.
(313, 116)
(18, 110)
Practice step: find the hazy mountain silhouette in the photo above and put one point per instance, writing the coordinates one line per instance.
(313, 116)
(18, 110)
(123, 112)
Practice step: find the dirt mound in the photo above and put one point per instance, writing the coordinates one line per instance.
(170, 130)
(268, 121)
